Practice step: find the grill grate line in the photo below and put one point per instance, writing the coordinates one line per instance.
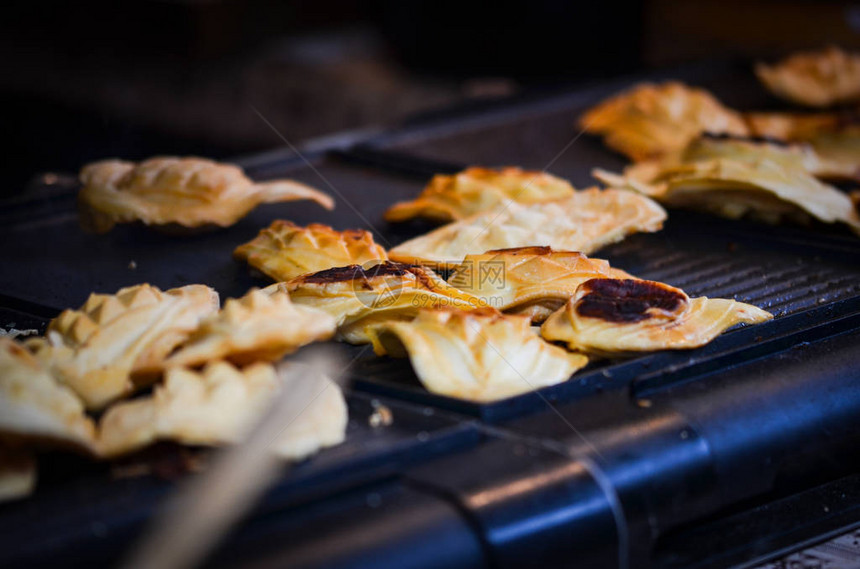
(762, 287)
(707, 277)
(826, 292)
(690, 267)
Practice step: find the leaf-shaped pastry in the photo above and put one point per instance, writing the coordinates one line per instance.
(448, 198)
(586, 221)
(218, 405)
(816, 79)
(285, 250)
(650, 121)
(360, 299)
(617, 317)
(480, 355)
(190, 192)
(35, 407)
(535, 281)
(765, 185)
(260, 326)
(116, 342)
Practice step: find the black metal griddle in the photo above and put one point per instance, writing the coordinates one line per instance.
(724, 455)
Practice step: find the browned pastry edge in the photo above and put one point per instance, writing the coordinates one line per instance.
(626, 300)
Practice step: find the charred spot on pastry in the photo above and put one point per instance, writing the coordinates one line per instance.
(332, 275)
(727, 137)
(626, 300)
(357, 272)
(532, 250)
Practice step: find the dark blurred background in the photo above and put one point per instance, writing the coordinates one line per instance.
(86, 80)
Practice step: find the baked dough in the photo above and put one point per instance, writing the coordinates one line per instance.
(285, 250)
(190, 192)
(535, 281)
(480, 355)
(360, 299)
(449, 198)
(585, 222)
(815, 79)
(768, 185)
(35, 407)
(650, 121)
(618, 317)
(218, 406)
(117, 342)
(260, 326)
(17, 473)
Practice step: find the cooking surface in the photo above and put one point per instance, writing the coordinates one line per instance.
(632, 414)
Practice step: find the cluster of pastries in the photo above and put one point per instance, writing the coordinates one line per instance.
(211, 370)
(771, 166)
(515, 246)
(473, 338)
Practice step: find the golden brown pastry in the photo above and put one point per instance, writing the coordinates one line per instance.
(586, 221)
(218, 405)
(833, 136)
(650, 121)
(480, 355)
(360, 299)
(617, 317)
(535, 281)
(285, 250)
(190, 192)
(117, 342)
(35, 407)
(260, 326)
(449, 198)
(761, 183)
(815, 79)
(17, 473)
